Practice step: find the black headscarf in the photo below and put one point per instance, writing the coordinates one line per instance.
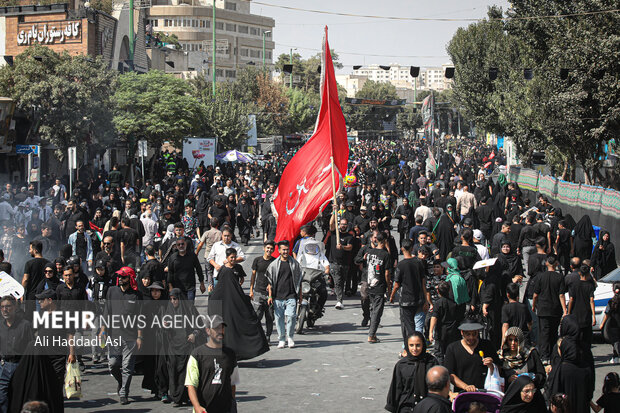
(400, 396)
(584, 229)
(445, 234)
(512, 402)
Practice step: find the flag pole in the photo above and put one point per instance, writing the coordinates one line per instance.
(335, 207)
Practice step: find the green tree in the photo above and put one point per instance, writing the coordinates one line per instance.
(371, 118)
(307, 70)
(302, 110)
(65, 98)
(224, 116)
(155, 107)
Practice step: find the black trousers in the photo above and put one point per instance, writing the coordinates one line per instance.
(376, 310)
(547, 335)
(365, 299)
(259, 302)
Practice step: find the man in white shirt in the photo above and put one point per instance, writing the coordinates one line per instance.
(150, 228)
(483, 251)
(217, 256)
(424, 211)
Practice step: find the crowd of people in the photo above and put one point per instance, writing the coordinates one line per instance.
(489, 284)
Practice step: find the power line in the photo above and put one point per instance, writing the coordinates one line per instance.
(363, 54)
(438, 19)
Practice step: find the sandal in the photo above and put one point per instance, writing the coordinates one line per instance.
(373, 340)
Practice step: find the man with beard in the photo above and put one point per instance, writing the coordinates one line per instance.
(183, 266)
(212, 373)
(362, 221)
(112, 262)
(33, 274)
(49, 249)
(374, 226)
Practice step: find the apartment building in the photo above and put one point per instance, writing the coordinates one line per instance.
(239, 33)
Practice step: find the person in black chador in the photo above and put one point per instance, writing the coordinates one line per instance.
(582, 238)
(179, 341)
(408, 385)
(244, 335)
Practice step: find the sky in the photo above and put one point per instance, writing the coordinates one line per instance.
(366, 41)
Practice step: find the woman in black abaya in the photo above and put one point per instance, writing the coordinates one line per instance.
(604, 256)
(408, 385)
(523, 397)
(244, 333)
(202, 211)
(245, 214)
(35, 379)
(180, 343)
(153, 350)
(445, 234)
(582, 238)
(573, 373)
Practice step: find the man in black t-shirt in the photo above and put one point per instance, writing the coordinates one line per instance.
(212, 373)
(549, 304)
(340, 256)
(33, 274)
(581, 303)
(466, 250)
(258, 286)
(410, 278)
(379, 262)
(129, 241)
(515, 314)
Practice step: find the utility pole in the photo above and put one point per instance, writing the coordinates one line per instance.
(291, 75)
(131, 39)
(213, 50)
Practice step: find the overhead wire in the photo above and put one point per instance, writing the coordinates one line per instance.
(437, 19)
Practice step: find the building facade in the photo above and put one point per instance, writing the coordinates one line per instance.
(430, 78)
(239, 33)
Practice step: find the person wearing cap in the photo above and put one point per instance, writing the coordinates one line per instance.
(48, 300)
(125, 339)
(470, 358)
(212, 373)
(362, 221)
(15, 334)
(483, 251)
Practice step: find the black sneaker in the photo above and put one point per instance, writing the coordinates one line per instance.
(124, 400)
(365, 322)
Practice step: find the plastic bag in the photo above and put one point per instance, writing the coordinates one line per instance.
(494, 381)
(73, 381)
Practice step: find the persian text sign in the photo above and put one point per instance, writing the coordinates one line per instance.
(49, 33)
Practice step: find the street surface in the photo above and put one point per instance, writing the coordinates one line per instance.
(331, 369)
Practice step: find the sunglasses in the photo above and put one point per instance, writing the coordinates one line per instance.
(107, 243)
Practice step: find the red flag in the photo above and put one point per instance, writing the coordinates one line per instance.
(306, 184)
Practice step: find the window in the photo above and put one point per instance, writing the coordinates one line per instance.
(231, 74)
(268, 55)
(229, 5)
(255, 53)
(243, 29)
(219, 25)
(219, 72)
(231, 27)
(254, 31)
(194, 23)
(244, 52)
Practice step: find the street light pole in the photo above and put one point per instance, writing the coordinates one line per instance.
(291, 75)
(213, 50)
(264, 34)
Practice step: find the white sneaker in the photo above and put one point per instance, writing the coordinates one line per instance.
(339, 306)
(281, 344)
(291, 343)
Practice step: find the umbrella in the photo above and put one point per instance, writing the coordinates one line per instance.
(233, 156)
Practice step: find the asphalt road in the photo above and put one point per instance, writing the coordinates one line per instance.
(331, 369)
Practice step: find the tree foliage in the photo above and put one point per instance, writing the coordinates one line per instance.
(66, 98)
(156, 107)
(576, 116)
(307, 70)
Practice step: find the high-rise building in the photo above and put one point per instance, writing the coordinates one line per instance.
(239, 33)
